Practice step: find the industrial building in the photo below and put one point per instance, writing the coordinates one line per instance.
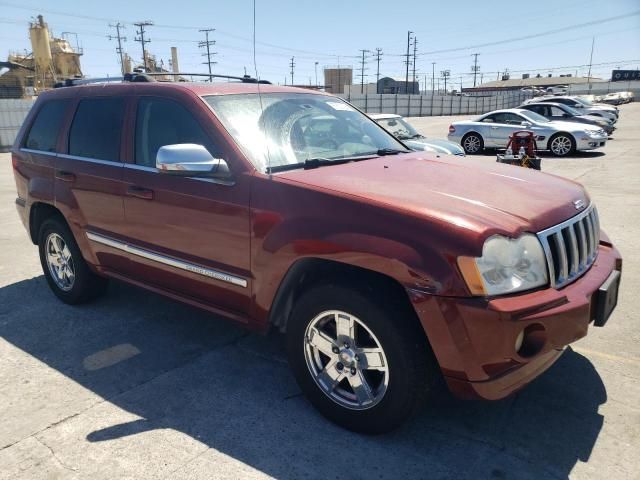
(528, 81)
(335, 78)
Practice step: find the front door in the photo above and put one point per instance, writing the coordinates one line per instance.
(186, 235)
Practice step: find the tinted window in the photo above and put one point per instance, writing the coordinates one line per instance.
(96, 128)
(161, 122)
(44, 131)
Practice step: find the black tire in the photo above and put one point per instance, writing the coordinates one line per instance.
(413, 371)
(563, 139)
(86, 285)
(471, 139)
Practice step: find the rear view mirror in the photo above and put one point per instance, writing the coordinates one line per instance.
(189, 159)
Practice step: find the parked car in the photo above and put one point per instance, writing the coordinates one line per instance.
(599, 110)
(404, 131)
(493, 130)
(565, 113)
(385, 268)
(558, 90)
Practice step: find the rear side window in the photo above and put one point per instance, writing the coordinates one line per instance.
(161, 122)
(43, 134)
(97, 128)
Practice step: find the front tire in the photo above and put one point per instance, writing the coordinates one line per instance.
(472, 143)
(363, 365)
(67, 273)
(562, 144)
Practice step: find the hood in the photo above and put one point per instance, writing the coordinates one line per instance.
(460, 193)
(435, 145)
(575, 127)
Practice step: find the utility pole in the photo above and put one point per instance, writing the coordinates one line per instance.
(475, 68)
(407, 61)
(415, 47)
(140, 38)
(316, 69)
(120, 39)
(292, 65)
(378, 55)
(593, 41)
(362, 69)
(445, 74)
(433, 80)
(207, 44)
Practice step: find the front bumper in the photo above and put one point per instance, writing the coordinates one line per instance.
(591, 143)
(474, 339)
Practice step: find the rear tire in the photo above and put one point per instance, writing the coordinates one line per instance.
(472, 143)
(370, 381)
(67, 273)
(562, 144)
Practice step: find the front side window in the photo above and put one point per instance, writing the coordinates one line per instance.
(160, 122)
(532, 117)
(97, 128)
(43, 134)
(277, 129)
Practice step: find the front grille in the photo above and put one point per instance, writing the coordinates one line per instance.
(571, 247)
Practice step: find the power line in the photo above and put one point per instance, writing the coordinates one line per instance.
(142, 41)
(120, 39)
(207, 44)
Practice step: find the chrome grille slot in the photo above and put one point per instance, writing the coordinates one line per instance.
(571, 247)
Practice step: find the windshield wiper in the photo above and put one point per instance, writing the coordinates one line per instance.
(311, 163)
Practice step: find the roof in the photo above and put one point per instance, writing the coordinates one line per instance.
(198, 88)
(537, 82)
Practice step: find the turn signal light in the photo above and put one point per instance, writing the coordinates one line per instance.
(452, 129)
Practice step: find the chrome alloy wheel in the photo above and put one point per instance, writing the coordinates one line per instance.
(346, 360)
(471, 144)
(60, 262)
(561, 145)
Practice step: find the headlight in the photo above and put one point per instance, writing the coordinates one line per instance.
(506, 266)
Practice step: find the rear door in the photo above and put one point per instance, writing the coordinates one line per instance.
(88, 180)
(188, 235)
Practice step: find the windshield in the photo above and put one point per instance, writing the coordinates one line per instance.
(534, 117)
(399, 128)
(583, 101)
(571, 110)
(289, 128)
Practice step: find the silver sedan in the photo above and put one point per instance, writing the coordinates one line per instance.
(492, 130)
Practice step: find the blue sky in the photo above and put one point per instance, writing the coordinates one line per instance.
(332, 32)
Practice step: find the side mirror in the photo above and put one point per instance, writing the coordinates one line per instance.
(526, 124)
(189, 159)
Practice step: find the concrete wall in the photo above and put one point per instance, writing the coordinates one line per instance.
(426, 105)
(12, 114)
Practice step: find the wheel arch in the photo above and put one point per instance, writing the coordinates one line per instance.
(38, 213)
(309, 272)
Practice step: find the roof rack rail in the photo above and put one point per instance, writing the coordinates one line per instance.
(243, 79)
(149, 77)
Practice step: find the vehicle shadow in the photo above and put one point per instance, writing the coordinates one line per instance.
(232, 391)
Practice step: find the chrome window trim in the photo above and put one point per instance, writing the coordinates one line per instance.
(39, 152)
(91, 160)
(166, 260)
(217, 181)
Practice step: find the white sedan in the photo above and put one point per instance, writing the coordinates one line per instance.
(493, 130)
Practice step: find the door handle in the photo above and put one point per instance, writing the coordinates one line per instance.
(139, 192)
(495, 128)
(65, 176)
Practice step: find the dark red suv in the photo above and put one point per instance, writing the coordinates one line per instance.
(273, 206)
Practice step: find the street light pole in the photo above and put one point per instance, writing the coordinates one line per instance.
(316, 68)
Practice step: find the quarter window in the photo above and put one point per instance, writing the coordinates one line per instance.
(161, 122)
(43, 134)
(97, 128)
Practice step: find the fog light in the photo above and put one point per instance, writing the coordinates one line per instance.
(532, 340)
